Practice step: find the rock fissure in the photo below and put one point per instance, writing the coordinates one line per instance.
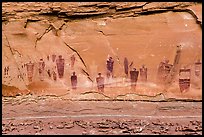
(15, 60)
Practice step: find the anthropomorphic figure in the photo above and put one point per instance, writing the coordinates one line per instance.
(100, 83)
(30, 70)
(60, 66)
(72, 61)
(5, 70)
(41, 68)
(109, 65)
(54, 57)
(126, 66)
(49, 66)
(143, 73)
(198, 69)
(74, 80)
(133, 78)
(184, 79)
(54, 76)
(164, 70)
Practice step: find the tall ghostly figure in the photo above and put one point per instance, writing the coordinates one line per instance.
(109, 65)
(74, 80)
(143, 73)
(72, 61)
(198, 69)
(41, 69)
(126, 66)
(30, 70)
(133, 78)
(60, 66)
(184, 79)
(100, 83)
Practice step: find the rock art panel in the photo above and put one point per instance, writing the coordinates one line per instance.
(136, 51)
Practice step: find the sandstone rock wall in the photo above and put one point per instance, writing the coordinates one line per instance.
(143, 32)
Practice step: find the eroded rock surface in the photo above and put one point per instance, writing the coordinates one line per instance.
(55, 115)
(143, 32)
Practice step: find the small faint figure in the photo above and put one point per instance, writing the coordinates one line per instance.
(74, 80)
(30, 69)
(48, 57)
(198, 66)
(54, 57)
(109, 65)
(54, 76)
(60, 66)
(49, 73)
(184, 79)
(5, 70)
(143, 73)
(133, 78)
(41, 68)
(126, 66)
(100, 82)
(73, 59)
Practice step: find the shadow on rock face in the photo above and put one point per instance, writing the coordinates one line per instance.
(12, 91)
(38, 85)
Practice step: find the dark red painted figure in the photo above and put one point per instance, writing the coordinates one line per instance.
(72, 61)
(48, 57)
(126, 66)
(41, 68)
(184, 79)
(100, 82)
(198, 66)
(60, 66)
(133, 77)
(54, 75)
(30, 69)
(143, 73)
(49, 73)
(74, 80)
(109, 65)
(5, 70)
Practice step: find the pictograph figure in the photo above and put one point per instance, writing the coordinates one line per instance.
(133, 78)
(143, 73)
(198, 66)
(163, 70)
(184, 79)
(73, 59)
(60, 66)
(5, 70)
(41, 69)
(74, 80)
(109, 65)
(49, 73)
(54, 76)
(100, 83)
(48, 57)
(54, 57)
(48, 66)
(126, 66)
(30, 69)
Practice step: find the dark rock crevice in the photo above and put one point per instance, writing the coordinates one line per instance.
(11, 49)
(83, 62)
(45, 32)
